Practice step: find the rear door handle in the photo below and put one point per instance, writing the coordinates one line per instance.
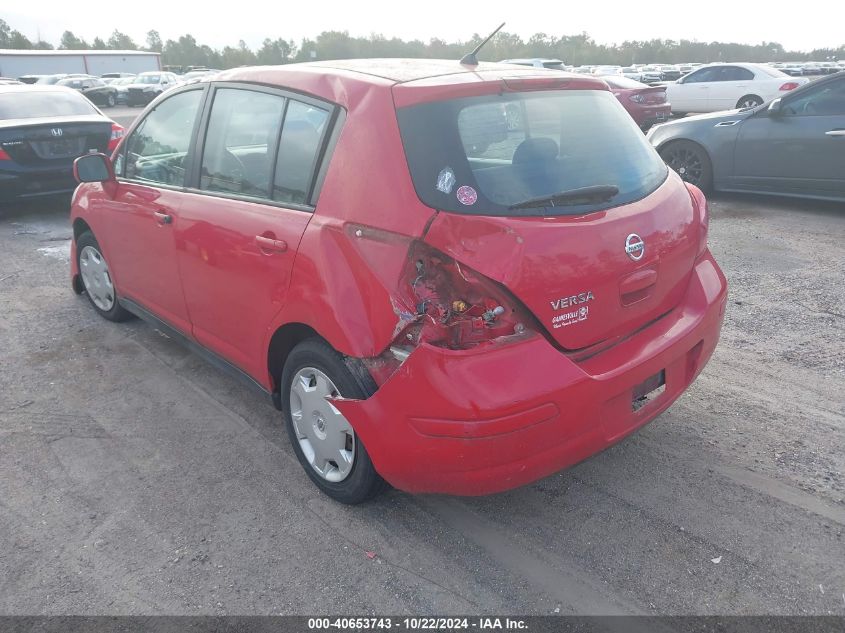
(163, 218)
(835, 133)
(271, 244)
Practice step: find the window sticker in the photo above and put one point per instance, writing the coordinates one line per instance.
(446, 180)
(467, 195)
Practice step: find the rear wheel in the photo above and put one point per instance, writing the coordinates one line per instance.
(324, 441)
(111, 101)
(749, 101)
(97, 279)
(691, 162)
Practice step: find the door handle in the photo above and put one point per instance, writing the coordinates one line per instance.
(835, 133)
(163, 218)
(271, 244)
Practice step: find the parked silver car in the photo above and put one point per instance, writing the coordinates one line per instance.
(792, 146)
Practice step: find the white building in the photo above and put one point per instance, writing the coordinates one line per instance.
(14, 63)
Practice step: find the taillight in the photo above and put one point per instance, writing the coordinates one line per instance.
(4, 155)
(116, 134)
(789, 85)
(443, 303)
(637, 98)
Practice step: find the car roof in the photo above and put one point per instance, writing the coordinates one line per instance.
(346, 81)
(390, 70)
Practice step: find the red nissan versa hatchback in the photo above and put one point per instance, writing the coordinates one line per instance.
(452, 279)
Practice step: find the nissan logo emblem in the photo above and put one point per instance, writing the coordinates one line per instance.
(635, 247)
(56, 131)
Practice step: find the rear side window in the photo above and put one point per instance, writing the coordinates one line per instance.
(482, 155)
(157, 149)
(31, 105)
(241, 141)
(299, 150)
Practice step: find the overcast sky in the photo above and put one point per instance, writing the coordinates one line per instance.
(812, 24)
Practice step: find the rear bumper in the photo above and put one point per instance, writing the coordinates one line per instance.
(652, 115)
(487, 420)
(31, 183)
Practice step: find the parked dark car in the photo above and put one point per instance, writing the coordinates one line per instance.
(95, 90)
(792, 146)
(147, 86)
(121, 85)
(647, 105)
(42, 131)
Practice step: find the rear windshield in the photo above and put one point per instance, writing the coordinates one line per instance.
(32, 105)
(481, 155)
(623, 82)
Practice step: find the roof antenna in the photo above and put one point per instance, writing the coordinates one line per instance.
(470, 59)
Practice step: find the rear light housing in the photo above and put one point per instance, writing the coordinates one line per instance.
(789, 85)
(637, 98)
(443, 303)
(4, 155)
(117, 133)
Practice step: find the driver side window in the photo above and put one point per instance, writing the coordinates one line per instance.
(157, 149)
(825, 100)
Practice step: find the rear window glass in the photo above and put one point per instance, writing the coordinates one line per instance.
(481, 155)
(623, 82)
(33, 105)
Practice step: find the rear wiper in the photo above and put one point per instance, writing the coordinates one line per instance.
(571, 197)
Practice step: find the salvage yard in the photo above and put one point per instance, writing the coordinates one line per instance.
(135, 478)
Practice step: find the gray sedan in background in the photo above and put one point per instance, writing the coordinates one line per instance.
(792, 146)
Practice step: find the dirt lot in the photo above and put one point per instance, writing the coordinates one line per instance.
(136, 479)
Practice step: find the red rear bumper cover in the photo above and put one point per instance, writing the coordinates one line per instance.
(487, 420)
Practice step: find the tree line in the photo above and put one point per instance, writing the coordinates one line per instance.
(572, 49)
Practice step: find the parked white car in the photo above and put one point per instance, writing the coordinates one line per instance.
(718, 87)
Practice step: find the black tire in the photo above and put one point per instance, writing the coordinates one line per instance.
(749, 101)
(110, 101)
(362, 482)
(691, 162)
(116, 313)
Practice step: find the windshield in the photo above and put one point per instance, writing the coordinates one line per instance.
(482, 155)
(32, 105)
(123, 81)
(147, 79)
(50, 79)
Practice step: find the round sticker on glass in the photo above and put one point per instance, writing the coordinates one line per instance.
(467, 195)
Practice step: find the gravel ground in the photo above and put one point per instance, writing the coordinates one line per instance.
(137, 479)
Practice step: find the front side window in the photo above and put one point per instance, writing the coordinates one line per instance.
(735, 73)
(241, 141)
(825, 100)
(701, 76)
(157, 149)
(490, 155)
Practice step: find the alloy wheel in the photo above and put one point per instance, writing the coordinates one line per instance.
(687, 163)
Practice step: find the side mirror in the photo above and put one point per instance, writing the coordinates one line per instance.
(93, 168)
(775, 108)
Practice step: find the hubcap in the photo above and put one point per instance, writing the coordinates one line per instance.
(96, 278)
(325, 437)
(687, 163)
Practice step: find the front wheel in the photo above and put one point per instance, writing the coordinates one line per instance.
(111, 101)
(97, 279)
(691, 162)
(325, 443)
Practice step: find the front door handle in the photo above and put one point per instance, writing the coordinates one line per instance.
(835, 133)
(163, 218)
(271, 244)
